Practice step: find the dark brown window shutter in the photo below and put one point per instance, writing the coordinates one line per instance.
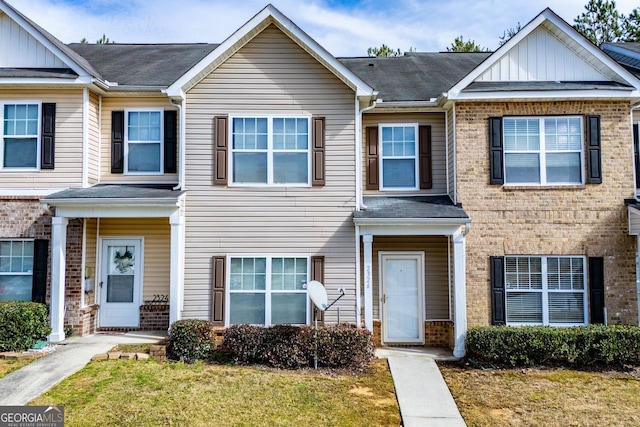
(218, 282)
(424, 140)
(596, 289)
(496, 168)
(317, 273)
(117, 142)
(48, 137)
(318, 156)
(372, 158)
(636, 153)
(40, 258)
(220, 150)
(498, 302)
(170, 141)
(594, 162)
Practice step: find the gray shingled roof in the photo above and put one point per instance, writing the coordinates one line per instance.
(143, 64)
(414, 76)
(529, 86)
(411, 207)
(115, 191)
(60, 73)
(630, 61)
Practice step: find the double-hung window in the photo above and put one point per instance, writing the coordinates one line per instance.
(16, 270)
(270, 150)
(543, 150)
(143, 132)
(545, 290)
(399, 165)
(20, 135)
(268, 290)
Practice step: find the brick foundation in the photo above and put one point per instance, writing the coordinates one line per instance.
(154, 317)
(436, 334)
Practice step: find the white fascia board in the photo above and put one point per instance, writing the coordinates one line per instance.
(411, 229)
(80, 81)
(547, 95)
(243, 35)
(545, 15)
(113, 208)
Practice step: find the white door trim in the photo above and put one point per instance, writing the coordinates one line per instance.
(419, 257)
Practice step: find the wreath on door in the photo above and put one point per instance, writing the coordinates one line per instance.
(123, 261)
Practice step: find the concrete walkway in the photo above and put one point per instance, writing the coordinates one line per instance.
(423, 396)
(29, 382)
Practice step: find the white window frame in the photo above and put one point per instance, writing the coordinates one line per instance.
(127, 142)
(38, 136)
(270, 150)
(415, 157)
(542, 152)
(29, 274)
(545, 291)
(267, 291)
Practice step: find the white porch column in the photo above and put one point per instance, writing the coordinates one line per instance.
(367, 239)
(176, 284)
(459, 294)
(58, 267)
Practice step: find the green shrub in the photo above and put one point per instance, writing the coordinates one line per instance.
(293, 347)
(191, 340)
(576, 347)
(22, 324)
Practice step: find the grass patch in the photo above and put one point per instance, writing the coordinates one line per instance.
(8, 366)
(533, 397)
(133, 348)
(125, 393)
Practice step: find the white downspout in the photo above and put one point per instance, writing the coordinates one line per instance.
(358, 276)
(359, 196)
(181, 144)
(85, 137)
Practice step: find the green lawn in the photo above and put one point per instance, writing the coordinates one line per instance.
(128, 393)
(8, 366)
(544, 397)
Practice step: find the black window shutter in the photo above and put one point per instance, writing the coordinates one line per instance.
(317, 273)
(426, 179)
(636, 153)
(498, 302)
(170, 141)
(318, 154)
(117, 142)
(40, 262)
(496, 168)
(48, 136)
(372, 158)
(596, 289)
(594, 162)
(220, 150)
(218, 282)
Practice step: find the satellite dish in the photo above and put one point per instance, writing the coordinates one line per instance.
(318, 294)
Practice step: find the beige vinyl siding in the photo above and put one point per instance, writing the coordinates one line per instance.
(438, 146)
(156, 233)
(270, 75)
(436, 270)
(90, 257)
(68, 143)
(451, 138)
(120, 104)
(94, 139)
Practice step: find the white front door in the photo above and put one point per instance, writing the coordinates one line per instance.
(120, 283)
(402, 297)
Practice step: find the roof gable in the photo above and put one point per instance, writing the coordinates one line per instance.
(548, 49)
(268, 16)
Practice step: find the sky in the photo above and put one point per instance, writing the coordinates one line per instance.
(343, 27)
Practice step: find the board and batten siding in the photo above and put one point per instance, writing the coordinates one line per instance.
(94, 139)
(436, 271)
(68, 143)
(120, 104)
(21, 50)
(156, 233)
(270, 75)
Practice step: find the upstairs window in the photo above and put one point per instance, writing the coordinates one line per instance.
(270, 150)
(543, 151)
(20, 136)
(144, 141)
(399, 160)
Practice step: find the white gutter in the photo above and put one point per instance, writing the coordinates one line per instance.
(182, 107)
(412, 221)
(85, 137)
(359, 195)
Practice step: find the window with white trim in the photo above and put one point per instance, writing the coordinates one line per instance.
(20, 136)
(543, 150)
(143, 140)
(399, 160)
(270, 150)
(268, 290)
(545, 290)
(16, 270)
